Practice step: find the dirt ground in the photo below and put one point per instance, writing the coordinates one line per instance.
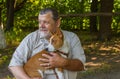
(102, 69)
(102, 61)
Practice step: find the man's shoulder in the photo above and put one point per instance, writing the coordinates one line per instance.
(32, 35)
(68, 33)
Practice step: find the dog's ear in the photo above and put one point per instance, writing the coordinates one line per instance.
(58, 32)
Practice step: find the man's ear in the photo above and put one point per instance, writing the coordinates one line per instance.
(58, 23)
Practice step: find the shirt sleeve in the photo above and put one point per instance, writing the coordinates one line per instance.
(22, 53)
(76, 52)
(76, 49)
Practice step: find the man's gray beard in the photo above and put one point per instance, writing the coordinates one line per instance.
(44, 35)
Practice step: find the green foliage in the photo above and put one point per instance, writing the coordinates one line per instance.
(26, 18)
(116, 19)
(23, 18)
(15, 36)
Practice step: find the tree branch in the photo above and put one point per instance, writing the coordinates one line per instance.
(20, 6)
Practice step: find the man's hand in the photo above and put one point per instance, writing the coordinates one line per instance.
(54, 60)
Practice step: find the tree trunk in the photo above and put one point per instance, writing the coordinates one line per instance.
(105, 21)
(10, 14)
(0, 16)
(93, 19)
(81, 11)
(2, 38)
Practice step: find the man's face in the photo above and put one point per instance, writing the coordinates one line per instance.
(47, 24)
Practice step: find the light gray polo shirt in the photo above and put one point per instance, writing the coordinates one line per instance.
(34, 43)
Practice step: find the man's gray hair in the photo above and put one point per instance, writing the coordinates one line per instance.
(53, 11)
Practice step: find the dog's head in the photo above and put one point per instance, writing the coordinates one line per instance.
(56, 40)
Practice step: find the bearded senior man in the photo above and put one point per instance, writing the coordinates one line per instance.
(36, 41)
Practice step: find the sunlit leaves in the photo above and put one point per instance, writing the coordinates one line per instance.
(15, 36)
(32, 8)
(116, 19)
(116, 3)
(35, 2)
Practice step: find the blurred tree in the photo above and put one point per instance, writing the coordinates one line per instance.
(93, 19)
(105, 21)
(1, 8)
(11, 9)
(2, 38)
(10, 14)
(81, 3)
(19, 4)
(0, 15)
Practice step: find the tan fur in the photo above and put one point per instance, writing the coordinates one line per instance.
(57, 39)
(33, 64)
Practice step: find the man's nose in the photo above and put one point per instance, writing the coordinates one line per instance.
(42, 25)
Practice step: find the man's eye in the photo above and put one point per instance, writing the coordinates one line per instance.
(46, 22)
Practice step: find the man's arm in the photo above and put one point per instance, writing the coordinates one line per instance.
(72, 64)
(57, 61)
(19, 73)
